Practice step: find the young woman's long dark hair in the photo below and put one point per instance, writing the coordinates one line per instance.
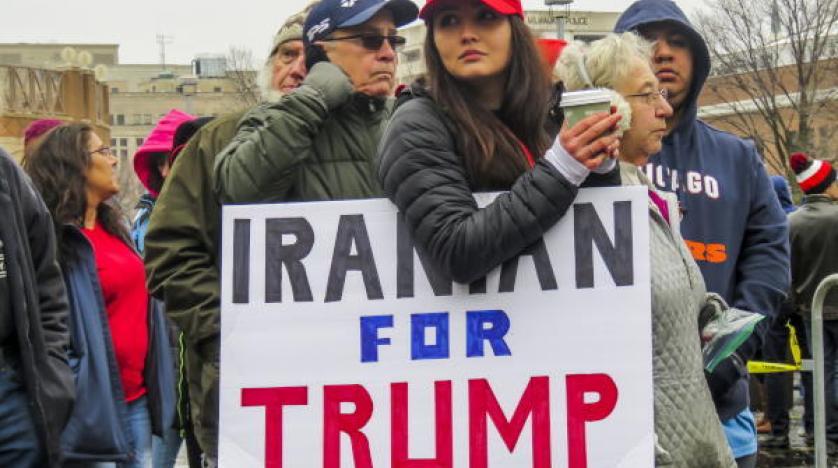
(57, 168)
(491, 142)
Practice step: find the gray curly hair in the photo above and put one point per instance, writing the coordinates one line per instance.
(602, 63)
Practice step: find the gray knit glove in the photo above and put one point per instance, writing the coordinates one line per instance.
(331, 82)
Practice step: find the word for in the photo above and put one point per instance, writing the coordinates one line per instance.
(483, 409)
(481, 326)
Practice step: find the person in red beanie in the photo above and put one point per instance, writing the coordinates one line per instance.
(813, 235)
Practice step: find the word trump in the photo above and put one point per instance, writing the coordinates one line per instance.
(483, 410)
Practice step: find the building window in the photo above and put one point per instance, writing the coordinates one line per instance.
(113, 142)
(147, 119)
(139, 142)
(114, 90)
(217, 89)
(123, 153)
(123, 142)
(120, 119)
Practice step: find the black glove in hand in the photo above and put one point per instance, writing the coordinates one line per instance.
(315, 54)
(725, 375)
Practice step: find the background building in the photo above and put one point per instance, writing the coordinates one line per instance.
(767, 106)
(129, 99)
(32, 93)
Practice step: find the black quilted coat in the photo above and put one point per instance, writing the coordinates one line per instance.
(423, 173)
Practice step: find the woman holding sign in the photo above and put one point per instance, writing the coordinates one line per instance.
(482, 125)
(477, 128)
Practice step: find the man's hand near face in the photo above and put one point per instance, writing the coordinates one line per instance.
(371, 71)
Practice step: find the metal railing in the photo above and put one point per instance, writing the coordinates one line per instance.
(27, 90)
(817, 353)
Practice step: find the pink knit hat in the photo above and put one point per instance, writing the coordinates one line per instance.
(38, 128)
(158, 141)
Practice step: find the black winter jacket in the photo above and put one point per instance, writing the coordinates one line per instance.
(422, 172)
(38, 301)
(814, 253)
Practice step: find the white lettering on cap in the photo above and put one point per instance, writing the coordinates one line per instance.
(324, 25)
(348, 3)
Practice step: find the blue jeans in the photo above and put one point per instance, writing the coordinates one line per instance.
(164, 449)
(830, 369)
(20, 445)
(139, 423)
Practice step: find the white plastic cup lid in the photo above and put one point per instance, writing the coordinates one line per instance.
(585, 97)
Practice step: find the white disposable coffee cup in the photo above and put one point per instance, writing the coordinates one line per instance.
(580, 104)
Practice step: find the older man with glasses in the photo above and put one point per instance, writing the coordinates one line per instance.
(318, 142)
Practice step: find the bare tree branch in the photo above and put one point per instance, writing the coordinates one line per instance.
(242, 73)
(776, 71)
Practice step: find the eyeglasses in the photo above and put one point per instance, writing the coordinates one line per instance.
(104, 151)
(372, 42)
(652, 96)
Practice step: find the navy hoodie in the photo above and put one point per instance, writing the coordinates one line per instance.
(733, 223)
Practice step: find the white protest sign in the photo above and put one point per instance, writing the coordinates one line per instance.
(339, 348)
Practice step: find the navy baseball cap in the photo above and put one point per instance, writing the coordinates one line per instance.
(329, 15)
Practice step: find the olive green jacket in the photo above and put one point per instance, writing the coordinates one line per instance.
(181, 245)
(298, 150)
(292, 150)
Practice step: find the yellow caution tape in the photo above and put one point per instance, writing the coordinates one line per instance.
(760, 367)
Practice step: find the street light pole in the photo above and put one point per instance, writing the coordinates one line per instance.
(560, 20)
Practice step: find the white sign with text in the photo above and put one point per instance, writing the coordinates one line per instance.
(341, 346)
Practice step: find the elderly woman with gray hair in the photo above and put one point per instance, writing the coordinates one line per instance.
(687, 428)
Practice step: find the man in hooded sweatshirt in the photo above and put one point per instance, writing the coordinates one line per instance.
(182, 254)
(733, 223)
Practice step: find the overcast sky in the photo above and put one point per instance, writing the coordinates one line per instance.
(195, 26)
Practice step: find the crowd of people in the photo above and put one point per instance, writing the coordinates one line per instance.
(110, 329)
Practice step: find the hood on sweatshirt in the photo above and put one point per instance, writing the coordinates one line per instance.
(643, 13)
(158, 141)
(781, 188)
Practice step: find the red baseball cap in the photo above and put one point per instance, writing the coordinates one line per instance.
(504, 7)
